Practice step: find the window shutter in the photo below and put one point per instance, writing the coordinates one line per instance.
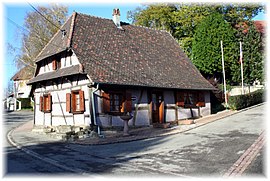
(81, 93)
(161, 112)
(68, 95)
(54, 66)
(128, 102)
(49, 102)
(180, 99)
(41, 103)
(201, 101)
(106, 102)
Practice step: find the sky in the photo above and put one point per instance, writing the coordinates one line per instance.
(17, 11)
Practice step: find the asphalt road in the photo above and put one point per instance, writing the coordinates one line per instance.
(17, 162)
(209, 150)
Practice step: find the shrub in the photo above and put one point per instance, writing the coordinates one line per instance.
(25, 103)
(247, 100)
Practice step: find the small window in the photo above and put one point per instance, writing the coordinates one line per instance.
(190, 99)
(117, 102)
(56, 63)
(75, 102)
(45, 103)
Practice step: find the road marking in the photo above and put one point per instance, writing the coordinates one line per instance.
(244, 161)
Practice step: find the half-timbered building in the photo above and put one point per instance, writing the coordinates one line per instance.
(93, 70)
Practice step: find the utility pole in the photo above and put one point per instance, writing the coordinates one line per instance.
(241, 62)
(223, 69)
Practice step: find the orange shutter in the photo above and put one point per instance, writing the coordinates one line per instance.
(201, 101)
(128, 102)
(161, 112)
(68, 102)
(81, 93)
(180, 99)
(54, 66)
(41, 103)
(106, 102)
(49, 102)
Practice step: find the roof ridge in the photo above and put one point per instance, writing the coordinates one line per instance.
(52, 39)
(92, 16)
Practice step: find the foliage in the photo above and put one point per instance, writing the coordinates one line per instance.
(38, 31)
(182, 19)
(158, 16)
(206, 46)
(25, 103)
(253, 53)
(247, 100)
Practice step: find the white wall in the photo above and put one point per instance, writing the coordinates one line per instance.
(184, 113)
(59, 115)
(142, 116)
(66, 61)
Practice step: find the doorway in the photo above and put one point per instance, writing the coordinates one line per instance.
(157, 102)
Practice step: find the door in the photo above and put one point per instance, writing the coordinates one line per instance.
(157, 107)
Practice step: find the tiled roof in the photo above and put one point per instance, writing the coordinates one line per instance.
(55, 74)
(135, 56)
(25, 73)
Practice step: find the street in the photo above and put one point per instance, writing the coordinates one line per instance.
(16, 161)
(209, 150)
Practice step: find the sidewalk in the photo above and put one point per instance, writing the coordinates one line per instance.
(23, 135)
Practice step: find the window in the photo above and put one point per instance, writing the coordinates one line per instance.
(117, 102)
(75, 101)
(45, 103)
(190, 99)
(56, 63)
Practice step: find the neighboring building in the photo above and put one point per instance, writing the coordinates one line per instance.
(21, 89)
(95, 69)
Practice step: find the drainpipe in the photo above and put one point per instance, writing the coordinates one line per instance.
(94, 110)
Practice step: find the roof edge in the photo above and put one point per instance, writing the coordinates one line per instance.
(74, 14)
(37, 60)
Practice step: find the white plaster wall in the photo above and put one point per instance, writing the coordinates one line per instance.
(205, 111)
(66, 61)
(169, 102)
(142, 118)
(23, 89)
(184, 113)
(59, 115)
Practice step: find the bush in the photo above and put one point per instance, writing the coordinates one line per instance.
(247, 100)
(25, 103)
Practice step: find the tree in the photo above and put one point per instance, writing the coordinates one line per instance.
(182, 19)
(159, 16)
(38, 31)
(206, 49)
(253, 54)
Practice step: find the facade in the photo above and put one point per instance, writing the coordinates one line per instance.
(94, 70)
(20, 79)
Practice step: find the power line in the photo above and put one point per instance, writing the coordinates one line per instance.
(44, 16)
(101, 66)
(36, 34)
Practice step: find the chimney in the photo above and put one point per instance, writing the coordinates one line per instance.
(116, 17)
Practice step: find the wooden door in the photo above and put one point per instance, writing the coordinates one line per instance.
(157, 107)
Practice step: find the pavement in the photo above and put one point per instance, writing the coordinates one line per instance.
(23, 135)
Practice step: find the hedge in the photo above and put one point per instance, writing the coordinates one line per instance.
(25, 103)
(247, 100)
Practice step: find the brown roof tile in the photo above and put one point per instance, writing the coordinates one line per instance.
(135, 56)
(25, 73)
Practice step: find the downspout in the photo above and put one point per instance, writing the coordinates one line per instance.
(94, 110)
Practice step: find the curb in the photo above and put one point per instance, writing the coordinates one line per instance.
(38, 156)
